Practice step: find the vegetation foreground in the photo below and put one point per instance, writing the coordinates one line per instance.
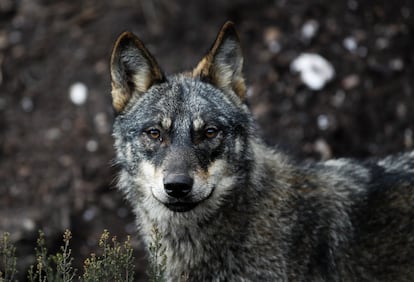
(115, 261)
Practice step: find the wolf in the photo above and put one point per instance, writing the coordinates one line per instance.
(228, 207)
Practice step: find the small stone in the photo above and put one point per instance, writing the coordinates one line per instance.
(101, 67)
(382, 43)
(350, 43)
(78, 93)
(396, 64)
(101, 123)
(401, 110)
(309, 29)
(271, 38)
(351, 81)
(89, 214)
(249, 92)
(28, 224)
(27, 104)
(323, 122)
(323, 148)
(274, 47)
(271, 34)
(408, 138)
(338, 98)
(92, 146)
(53, 134)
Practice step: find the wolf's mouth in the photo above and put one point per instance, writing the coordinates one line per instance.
(180, 206)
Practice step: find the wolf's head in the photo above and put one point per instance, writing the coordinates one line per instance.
(181, 140)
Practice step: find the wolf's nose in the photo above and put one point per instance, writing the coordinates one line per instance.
(178, 185)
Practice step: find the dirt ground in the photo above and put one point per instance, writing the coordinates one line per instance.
(55, 155)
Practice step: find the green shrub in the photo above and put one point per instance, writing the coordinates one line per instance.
(115, 264)
(115, 261)
(8, 259)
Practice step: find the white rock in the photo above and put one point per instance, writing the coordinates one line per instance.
(101, 123)
(89, 214)
(28, 224)
(78, 93)
(309, 29)
(350, 43)
(323, 148)
(27, 104)
(323, 122)
(315, 71)
(396, 64)
(92, 146)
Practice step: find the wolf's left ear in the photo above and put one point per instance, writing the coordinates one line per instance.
(133, 70)
(222, 66)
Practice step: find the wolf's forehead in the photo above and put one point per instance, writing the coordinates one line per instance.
(195, 121)
(198, 123)
(189, 104)
(166, 122)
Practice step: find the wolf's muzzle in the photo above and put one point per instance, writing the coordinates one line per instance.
(178, 185)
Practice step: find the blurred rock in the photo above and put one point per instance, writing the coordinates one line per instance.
(338, 98)
(78, 93)
(92, 146)
(315, 71)
(27, 104)
(271, 38)
(351, 81)
(309, 29)
(350, 43)
(323, 122)
(408, 138)
(101, 123)
(323, 148)
(396, 64)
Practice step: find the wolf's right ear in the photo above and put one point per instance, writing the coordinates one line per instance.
(133, 70)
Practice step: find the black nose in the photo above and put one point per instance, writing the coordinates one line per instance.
(178, 185)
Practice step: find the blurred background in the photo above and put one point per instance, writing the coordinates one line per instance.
(55, 106)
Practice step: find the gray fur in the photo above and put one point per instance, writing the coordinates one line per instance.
(258, 215)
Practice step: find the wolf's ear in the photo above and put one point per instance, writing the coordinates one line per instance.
(222, 66)
(133, 70)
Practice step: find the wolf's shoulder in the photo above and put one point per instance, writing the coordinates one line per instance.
(360, 176)
(401, 164)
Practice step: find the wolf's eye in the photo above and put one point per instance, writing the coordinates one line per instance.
(211, 132)
(154, 133)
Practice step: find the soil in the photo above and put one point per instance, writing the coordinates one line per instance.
(55, 155)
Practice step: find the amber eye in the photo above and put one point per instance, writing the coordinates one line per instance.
(154, 133)
(210, 132)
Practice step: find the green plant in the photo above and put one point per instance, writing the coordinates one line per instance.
(115, 264)
(42, 271)
(157, 257)
(63, 260)
(8, 259)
